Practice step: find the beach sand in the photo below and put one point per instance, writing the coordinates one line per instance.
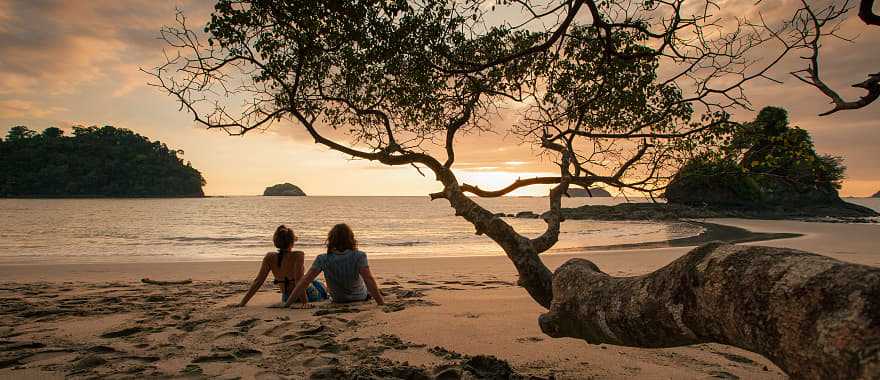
(443, 315)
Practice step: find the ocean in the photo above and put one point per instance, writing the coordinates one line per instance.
(240, 228)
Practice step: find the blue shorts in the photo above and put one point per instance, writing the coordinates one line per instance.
(315, 292)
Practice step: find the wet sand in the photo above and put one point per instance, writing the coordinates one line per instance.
(445, 316)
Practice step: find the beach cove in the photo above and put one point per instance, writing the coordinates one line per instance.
(442, 314)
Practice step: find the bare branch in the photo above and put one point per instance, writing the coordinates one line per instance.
(813, 28)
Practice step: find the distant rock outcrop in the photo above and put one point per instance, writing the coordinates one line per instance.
(767, 164)
(284, 189)
(593, 192)
(876, 195)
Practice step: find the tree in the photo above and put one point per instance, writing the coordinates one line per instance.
(52, 133)
(766, 165)
(19, 132)
(620, 96)
(94, 162)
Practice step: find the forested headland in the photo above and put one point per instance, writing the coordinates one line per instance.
(93, 162)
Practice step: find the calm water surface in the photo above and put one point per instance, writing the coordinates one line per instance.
(240, 228)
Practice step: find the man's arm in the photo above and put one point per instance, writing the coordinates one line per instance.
(258, 282)
(301, 286)
(371, 285)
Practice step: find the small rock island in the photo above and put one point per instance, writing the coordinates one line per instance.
(284, 190)
(577, 192)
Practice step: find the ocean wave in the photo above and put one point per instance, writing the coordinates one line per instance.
(196, 239)
(402, 244)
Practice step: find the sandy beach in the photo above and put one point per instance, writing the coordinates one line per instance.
(444, 317)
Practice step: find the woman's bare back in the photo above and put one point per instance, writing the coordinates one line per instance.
(287, 269)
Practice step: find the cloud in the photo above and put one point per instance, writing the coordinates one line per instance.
(55, 47)
(20, 109)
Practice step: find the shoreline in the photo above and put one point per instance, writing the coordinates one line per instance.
(712, 231)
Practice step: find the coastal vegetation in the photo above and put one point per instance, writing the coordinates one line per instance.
(284, 189)
(766, 163)
(93, 162)
(381, 81)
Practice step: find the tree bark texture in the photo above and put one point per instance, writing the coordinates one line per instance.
(534, 276)
(813, 316)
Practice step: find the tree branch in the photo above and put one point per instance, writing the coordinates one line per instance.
(811, 74)
(866, 13)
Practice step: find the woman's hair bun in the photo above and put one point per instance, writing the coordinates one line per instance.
(283, 237)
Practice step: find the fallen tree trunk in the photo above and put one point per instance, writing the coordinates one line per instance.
(166, 283)
(814, 316)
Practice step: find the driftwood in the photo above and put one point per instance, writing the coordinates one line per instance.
(163, 283)
(813, 316)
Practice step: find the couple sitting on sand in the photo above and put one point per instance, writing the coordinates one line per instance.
(345, 269)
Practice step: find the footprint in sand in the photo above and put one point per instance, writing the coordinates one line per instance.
(278, 330)
(190, 326)
(215, 358)
(245, 325)
(122, 333)
(467, 315)
(530, 339)
(100, 349)
(242, 353)
(229, 334)
(320, 360)
(88, 362)
(268, 376)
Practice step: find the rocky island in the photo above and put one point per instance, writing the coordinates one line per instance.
(876, 195)
(769, 170)
(577, 192)
(92, 162)
(284, 190)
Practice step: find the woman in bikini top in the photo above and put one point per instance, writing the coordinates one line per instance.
(285, 264)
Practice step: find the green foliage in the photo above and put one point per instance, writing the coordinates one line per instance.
(321, 58)
(94, 161)
(783, 158)
(713, 180)
(767, 161)
(593, 88)
(19, 132)
(382, 68)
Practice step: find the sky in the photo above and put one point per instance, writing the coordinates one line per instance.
(65, 63)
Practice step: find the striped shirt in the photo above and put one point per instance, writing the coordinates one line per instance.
(342, 273)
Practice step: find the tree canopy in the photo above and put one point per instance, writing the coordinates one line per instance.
(93, 162)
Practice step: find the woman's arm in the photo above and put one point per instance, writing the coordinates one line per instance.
(301, 286)
(258, 282)
(299, 272)
(371, 285)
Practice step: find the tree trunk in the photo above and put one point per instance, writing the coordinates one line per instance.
(815, 317)
(534, 276)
